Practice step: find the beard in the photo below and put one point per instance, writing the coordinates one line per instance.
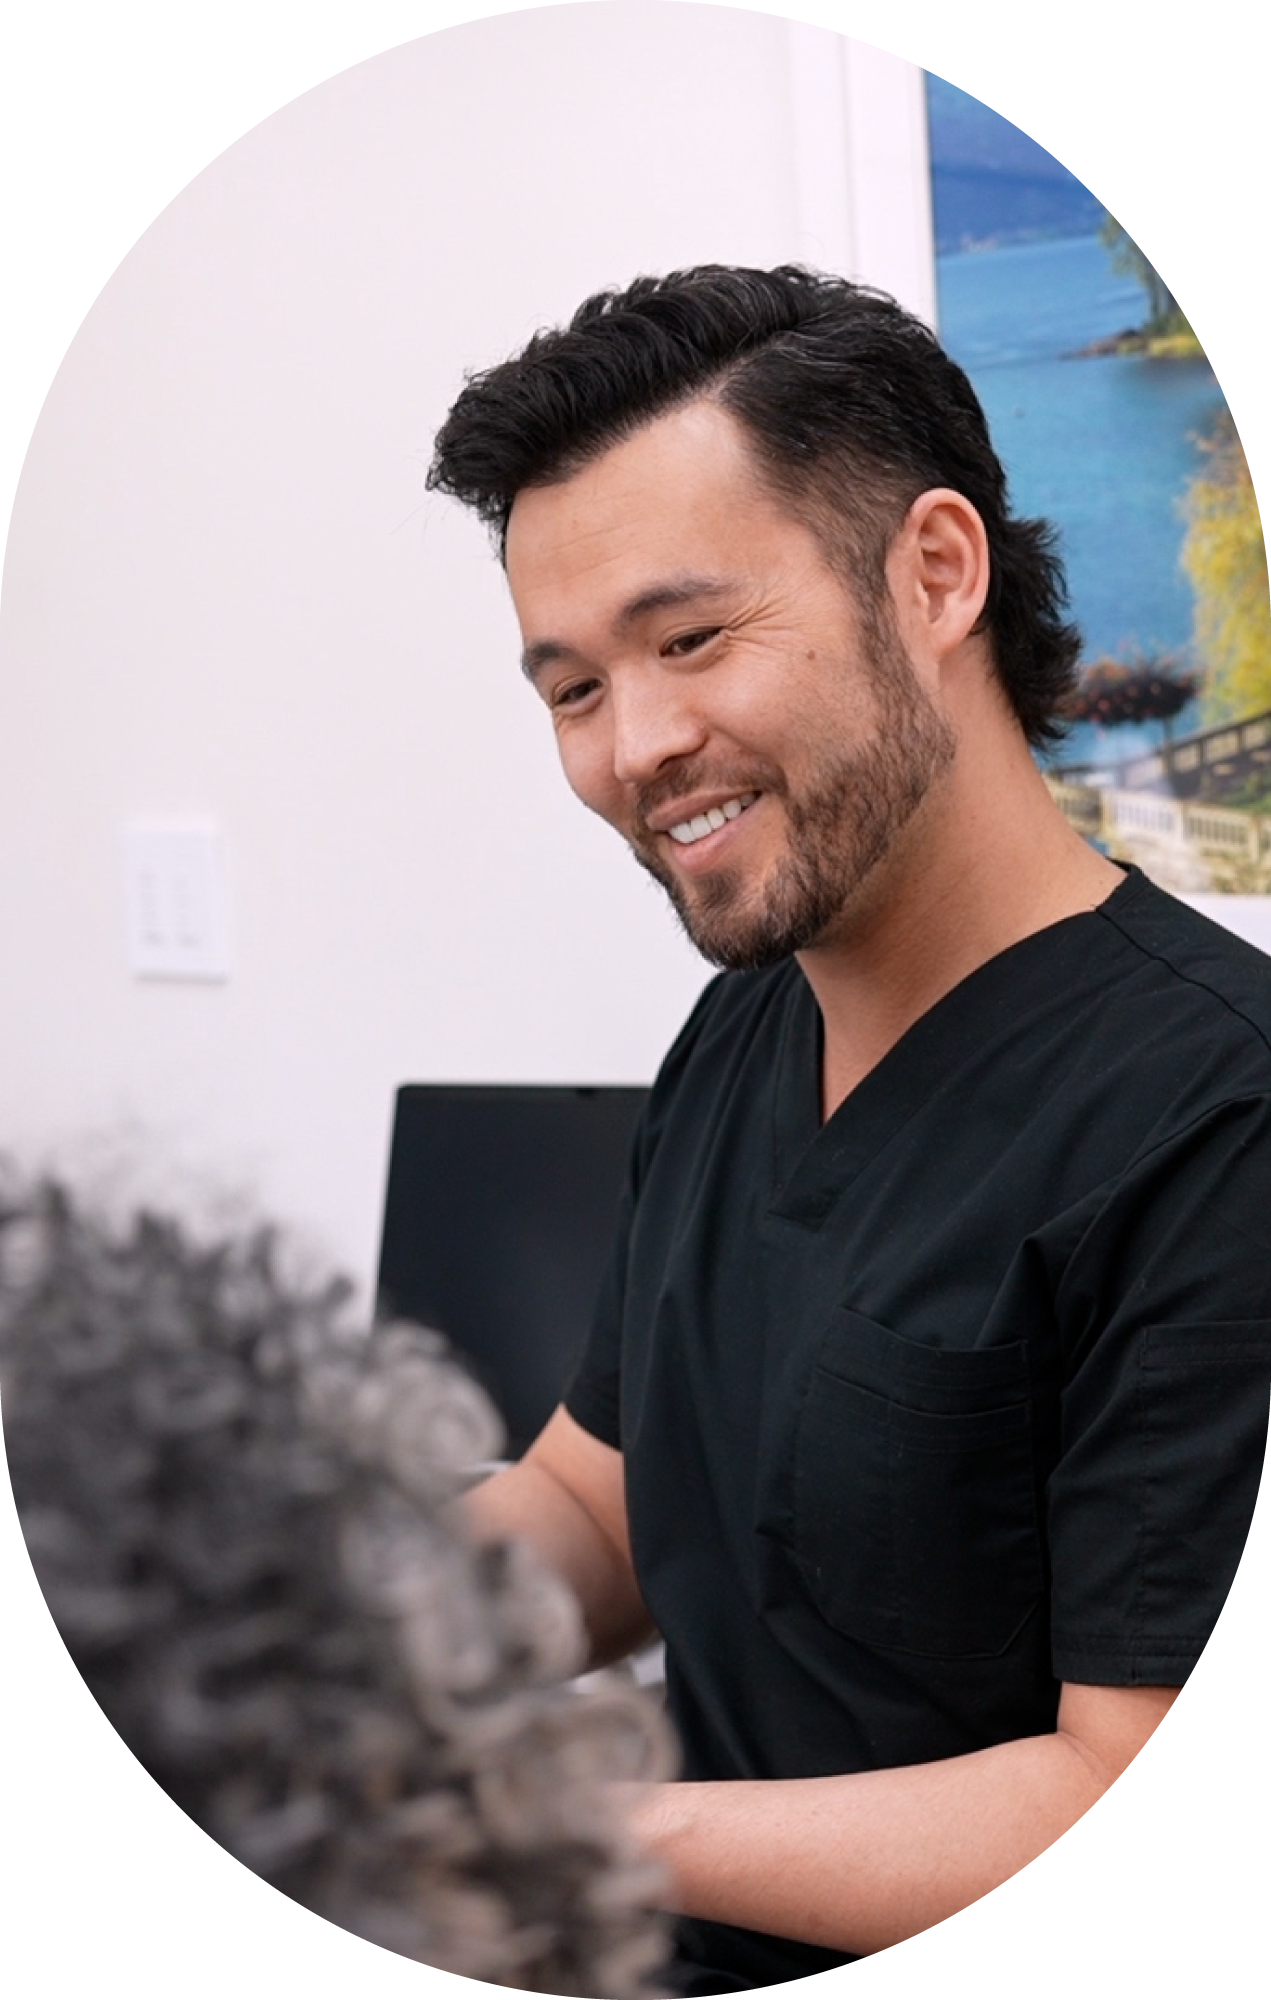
(846, 818)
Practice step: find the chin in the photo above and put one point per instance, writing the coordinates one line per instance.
(754, 942)
(747, 930)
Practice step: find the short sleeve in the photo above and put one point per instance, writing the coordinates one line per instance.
(1166, 1316)
(594, 1396)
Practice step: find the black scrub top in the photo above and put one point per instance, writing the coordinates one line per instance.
(963, 1393)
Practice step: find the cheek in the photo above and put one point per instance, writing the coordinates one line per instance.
(589, 774)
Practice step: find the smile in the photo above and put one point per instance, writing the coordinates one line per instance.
(690, 830)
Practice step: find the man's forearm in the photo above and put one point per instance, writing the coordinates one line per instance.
(524, 1502)
(858, 1862)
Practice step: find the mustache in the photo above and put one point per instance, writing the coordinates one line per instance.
(698, 775)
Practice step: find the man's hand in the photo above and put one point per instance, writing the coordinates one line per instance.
(859, 1862)
(567, 1496)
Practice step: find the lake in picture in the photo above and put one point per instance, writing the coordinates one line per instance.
(1102, 445)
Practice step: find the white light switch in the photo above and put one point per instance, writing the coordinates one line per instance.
(175, 887)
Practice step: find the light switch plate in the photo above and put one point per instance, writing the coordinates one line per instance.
(176, 903)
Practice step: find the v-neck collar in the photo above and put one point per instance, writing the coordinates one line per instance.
(816, 1162)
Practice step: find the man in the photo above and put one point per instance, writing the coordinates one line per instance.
(926, 1398)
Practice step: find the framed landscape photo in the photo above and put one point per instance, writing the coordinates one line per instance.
(1112, 424)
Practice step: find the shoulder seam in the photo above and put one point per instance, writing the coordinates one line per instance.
(1189, 978)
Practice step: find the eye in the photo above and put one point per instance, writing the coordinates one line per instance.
(571, 694)
(691, 642)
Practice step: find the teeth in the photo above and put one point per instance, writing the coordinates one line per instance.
(697, 828)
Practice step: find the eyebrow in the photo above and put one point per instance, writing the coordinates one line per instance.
(659, 597)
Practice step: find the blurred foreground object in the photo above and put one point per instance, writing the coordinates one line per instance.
(234, 1500)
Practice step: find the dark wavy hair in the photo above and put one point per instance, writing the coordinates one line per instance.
(852, 408)
(235, 1502)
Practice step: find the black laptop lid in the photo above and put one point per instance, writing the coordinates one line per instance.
(498, 1221)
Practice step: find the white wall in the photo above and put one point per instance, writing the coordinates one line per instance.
(227, 595)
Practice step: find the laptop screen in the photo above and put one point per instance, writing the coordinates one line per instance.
(498, 1221)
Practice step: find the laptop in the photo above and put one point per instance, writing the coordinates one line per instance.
(498, 1219)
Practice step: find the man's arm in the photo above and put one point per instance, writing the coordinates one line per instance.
(859, 1862)
(853, 1863)
(568, 1497)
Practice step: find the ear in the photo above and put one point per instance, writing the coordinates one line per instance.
(938, 568)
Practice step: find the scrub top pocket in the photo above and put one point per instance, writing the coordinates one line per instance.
(915, 1521)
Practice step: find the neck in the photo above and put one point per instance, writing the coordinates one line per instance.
(988, 860)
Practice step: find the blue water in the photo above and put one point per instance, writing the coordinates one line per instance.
(1102, 446)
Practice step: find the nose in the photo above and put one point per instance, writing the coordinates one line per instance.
(655, 723)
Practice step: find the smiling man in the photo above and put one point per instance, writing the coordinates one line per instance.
(828, 685)
(926, 1397)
